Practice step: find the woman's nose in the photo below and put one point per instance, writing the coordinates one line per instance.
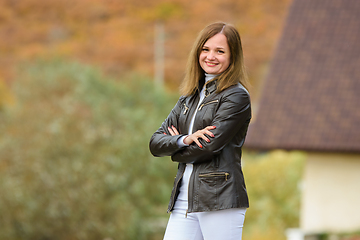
(211, 56)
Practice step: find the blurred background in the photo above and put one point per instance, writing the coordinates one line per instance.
(85, 83)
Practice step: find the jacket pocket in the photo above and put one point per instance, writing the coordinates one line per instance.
(212, 189)
(220, 175)
(204, 104)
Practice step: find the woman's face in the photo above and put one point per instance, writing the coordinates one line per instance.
(215, 55)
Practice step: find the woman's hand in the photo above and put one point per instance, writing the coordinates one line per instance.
(195, 136)
(199, 134)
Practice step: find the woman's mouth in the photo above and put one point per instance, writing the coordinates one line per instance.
(211, 64)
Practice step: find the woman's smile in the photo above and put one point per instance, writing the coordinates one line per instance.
(211, 64)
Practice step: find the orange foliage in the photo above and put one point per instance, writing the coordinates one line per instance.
(119, 35)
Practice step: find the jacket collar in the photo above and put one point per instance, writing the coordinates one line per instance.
(210, 87)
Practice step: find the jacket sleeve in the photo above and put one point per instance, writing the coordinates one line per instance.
(234, 111)
(166, 145)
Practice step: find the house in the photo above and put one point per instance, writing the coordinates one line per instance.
(311, 102)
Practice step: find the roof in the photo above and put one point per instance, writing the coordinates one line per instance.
(311, 96)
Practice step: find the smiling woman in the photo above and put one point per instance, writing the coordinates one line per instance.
(204, 133)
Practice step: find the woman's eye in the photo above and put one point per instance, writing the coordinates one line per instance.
(205, 49)
(220, 51)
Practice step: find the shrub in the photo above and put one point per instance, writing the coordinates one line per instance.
(74, 154)
(273, 182)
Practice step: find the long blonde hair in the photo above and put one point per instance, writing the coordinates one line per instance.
(235, 73)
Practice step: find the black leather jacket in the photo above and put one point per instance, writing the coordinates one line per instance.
(217, 181)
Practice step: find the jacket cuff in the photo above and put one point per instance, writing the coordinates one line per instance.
(180, 141)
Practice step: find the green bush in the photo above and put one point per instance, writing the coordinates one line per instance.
(273, 181)
(74, 158)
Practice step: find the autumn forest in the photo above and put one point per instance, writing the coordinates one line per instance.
(78, 105)
(118, 35)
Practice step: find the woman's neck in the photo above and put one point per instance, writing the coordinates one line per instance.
(208, 77)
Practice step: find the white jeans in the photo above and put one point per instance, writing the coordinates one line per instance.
(216, 225)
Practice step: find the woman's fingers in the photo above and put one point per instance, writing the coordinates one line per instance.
(208, 128)
(201, 134)
(198, 143)
(173, 131)
(204, 137)
(192, 138)
(207, 131)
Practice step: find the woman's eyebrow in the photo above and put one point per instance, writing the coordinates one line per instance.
(215, 48)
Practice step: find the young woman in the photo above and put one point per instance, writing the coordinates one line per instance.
(204, 133)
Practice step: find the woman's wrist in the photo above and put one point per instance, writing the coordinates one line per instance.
(181, 141)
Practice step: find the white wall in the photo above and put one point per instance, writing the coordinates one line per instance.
(331, 193)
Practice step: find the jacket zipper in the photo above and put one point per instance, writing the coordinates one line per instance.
(173, 197)
(191, 179)
(215, 174)
(206, 94)
(186, 108)
(201, 106)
